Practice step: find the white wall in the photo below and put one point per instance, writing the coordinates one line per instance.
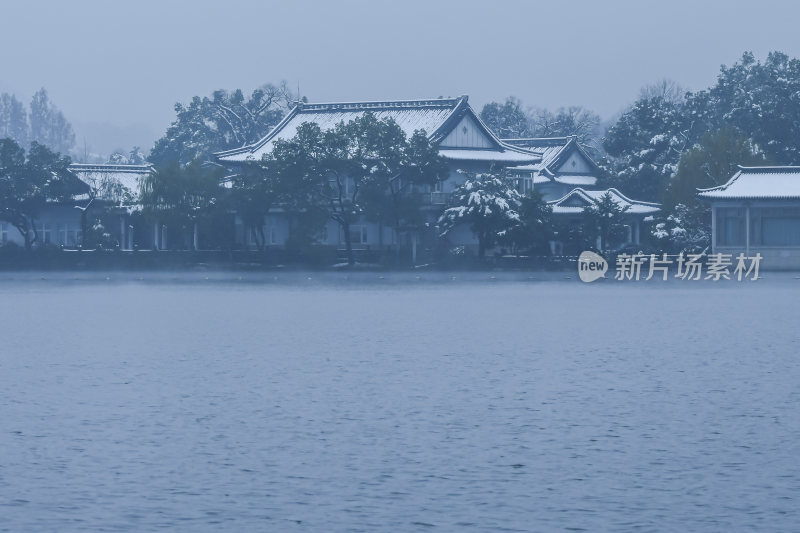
(54, 219)
(575, 164)
(467, 134)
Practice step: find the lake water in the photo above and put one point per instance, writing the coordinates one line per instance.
(385, 403)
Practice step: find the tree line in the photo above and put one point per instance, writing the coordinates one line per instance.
(663, 147)
(672, 141)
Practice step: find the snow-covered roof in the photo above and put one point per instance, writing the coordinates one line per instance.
(129, 176)
(575, 201)
(436, 116)
(554, 151)
(576, 179)
(547, 147)
(757, 182)
(507, 156)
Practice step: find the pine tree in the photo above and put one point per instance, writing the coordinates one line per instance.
(488, 204)
(604, 219)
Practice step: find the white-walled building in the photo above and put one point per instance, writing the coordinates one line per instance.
(564, 165)
(758, 211)
(111, 191)
(463, 140)
(114, 191)
(570, 207)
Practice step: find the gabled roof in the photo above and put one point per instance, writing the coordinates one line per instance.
(757, 182)
(437, 117)
(548, 147)
(129, 176)
(575, 201)
(554, 151)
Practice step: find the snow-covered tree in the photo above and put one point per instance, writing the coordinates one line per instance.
(762, 100)
(48, 126)
(351, 170)
(118, 157)
(645, 145)
(136, 156)
(488, 204)
(710, 162)
(535, 229)
(13, 119)
(683, 229)
(220, 122)
(604, 220)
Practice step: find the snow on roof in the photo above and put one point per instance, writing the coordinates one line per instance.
(575, 201)
(757, 182)
(507, 156)
(547, 147)
(437, 117)
(577, 179)
(128, 176)
(553, 151)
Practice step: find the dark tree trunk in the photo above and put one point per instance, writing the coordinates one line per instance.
(348, 244)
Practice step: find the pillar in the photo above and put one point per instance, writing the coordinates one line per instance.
(713, 229)
(747, 231)
(122, 239)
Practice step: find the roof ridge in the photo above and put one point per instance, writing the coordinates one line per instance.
(564, 138)
(111, 166)
(376, 104)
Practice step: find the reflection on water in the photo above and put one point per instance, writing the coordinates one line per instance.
(387, 402)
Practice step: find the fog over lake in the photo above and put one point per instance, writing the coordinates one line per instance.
(388, 402)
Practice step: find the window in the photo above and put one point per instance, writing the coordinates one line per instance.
(775, 226)
(45, 234)
(270, 236)
(67, 235)
(523, 185)
(730, 226)
(358, 234)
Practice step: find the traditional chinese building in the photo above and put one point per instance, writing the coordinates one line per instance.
(57, 222)
(758, 211)
(463, 139)
(564, 165)
(568, 211)
(113, 200)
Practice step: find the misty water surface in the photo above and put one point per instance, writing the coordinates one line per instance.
(390, 403)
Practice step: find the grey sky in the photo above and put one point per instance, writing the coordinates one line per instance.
(116, 69)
